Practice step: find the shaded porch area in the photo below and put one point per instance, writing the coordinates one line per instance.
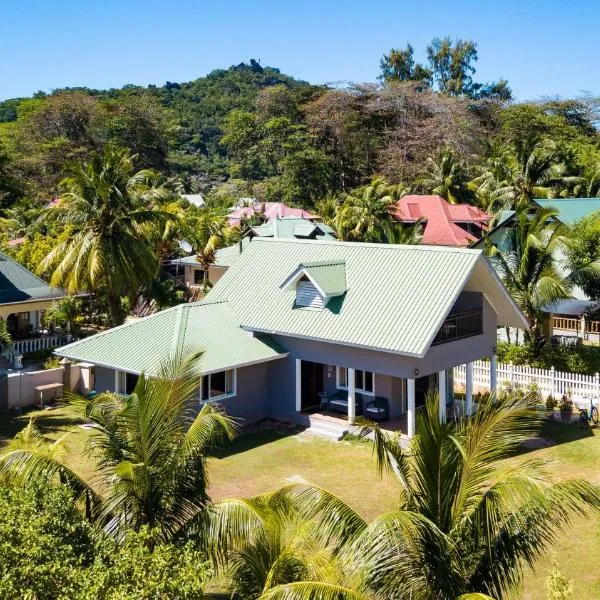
(331, 397)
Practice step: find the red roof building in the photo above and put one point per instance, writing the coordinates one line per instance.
(445, 224)
(269, 210)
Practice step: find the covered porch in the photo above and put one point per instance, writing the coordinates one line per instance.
(334, 394)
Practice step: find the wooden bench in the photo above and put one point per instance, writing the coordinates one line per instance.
(51, 388)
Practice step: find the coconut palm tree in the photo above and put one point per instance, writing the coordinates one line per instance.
(149, 450)
(111, 212)
(466, 524)
(363, 214)
(395, 232)
(260, 543)
(446, 177)
(526, 260)
(508, 181)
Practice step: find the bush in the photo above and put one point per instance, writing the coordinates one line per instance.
(559, 586)
(38, 355)
(53, 362)
(574, 359)
(48, 551)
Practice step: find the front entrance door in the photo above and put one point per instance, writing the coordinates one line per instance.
(421, 389)
(312, 384)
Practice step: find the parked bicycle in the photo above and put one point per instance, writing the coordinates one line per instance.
(589, 416)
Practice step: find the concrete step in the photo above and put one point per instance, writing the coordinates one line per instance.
(327, 429)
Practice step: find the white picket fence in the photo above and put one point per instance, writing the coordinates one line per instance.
(548, 381)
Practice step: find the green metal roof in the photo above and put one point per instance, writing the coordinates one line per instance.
(396, 300)
(145, 344)
(328, 276)
(17, 284)
(293, 227)
(572, 209)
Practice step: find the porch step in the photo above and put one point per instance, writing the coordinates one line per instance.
(328, 429)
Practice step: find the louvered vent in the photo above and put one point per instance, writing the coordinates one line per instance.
(307, 295)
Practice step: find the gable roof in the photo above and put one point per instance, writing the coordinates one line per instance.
(17, 284)
(440, 219)
(289, 227)
(396, 300)
(145, 344)
(329, 277)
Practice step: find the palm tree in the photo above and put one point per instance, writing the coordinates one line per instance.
(260, 543)
(466, 524)
(208, 232)
(508, 181)
(447, 178)
(396, 232)
(526, 261)
(111, 212)
(363, 214)
(64, 313)
(149, 451)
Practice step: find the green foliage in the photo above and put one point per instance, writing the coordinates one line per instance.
(583, 255)
(575, 359)
(49, 551)
(44, 542)
(559, 586)
(139, 569)
(53, 362)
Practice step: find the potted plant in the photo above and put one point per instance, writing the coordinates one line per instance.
(566, 406)
(550, 406)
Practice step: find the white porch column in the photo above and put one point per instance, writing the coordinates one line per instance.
(117, 381)
(351, 396)
(469, 389)
(298, 385)
(410, 409)
(442, 393)
(493, 374)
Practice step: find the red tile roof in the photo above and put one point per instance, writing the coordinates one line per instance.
(441, 219)
(271, 211)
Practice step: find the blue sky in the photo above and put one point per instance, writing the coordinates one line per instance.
(543, 48)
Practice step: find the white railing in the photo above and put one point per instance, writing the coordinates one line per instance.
(34, 344)
(548, 381)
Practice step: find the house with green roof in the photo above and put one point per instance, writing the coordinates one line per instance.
(23, 298)
(318, 332)
(192, 272)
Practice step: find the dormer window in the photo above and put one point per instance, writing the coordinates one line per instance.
(316, 283)
(308, 295)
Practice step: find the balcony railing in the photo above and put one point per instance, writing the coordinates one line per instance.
(460, 325)
(39, 343)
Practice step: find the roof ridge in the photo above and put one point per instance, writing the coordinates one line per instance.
(388, 247)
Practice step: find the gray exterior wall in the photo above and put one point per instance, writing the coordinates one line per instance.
(269, 389)
(249, 404)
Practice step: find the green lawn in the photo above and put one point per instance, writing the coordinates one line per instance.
(260, 462)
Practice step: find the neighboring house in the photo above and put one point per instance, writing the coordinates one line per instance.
(267, 211)
(566, 319)
(192, 273)
(445, 224)
(195, 199)
(23, 298)
(300, 329)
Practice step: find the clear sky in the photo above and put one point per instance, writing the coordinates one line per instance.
(543, 48)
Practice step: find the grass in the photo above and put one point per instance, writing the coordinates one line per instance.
(260, 462)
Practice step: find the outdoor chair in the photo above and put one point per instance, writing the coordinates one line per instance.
(378, 409)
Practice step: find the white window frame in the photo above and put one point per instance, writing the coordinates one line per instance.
(222, 396)
(357, 389)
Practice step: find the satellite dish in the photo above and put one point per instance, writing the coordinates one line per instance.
(186, 246)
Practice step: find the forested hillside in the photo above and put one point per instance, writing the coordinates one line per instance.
(251, 130)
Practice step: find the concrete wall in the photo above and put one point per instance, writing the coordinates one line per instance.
(21, 386)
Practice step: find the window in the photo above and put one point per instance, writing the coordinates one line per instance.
(218, 385)
(364, 381)
(198, 276)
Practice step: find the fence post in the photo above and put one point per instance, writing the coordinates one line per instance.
(511, 373)
(552, 376)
